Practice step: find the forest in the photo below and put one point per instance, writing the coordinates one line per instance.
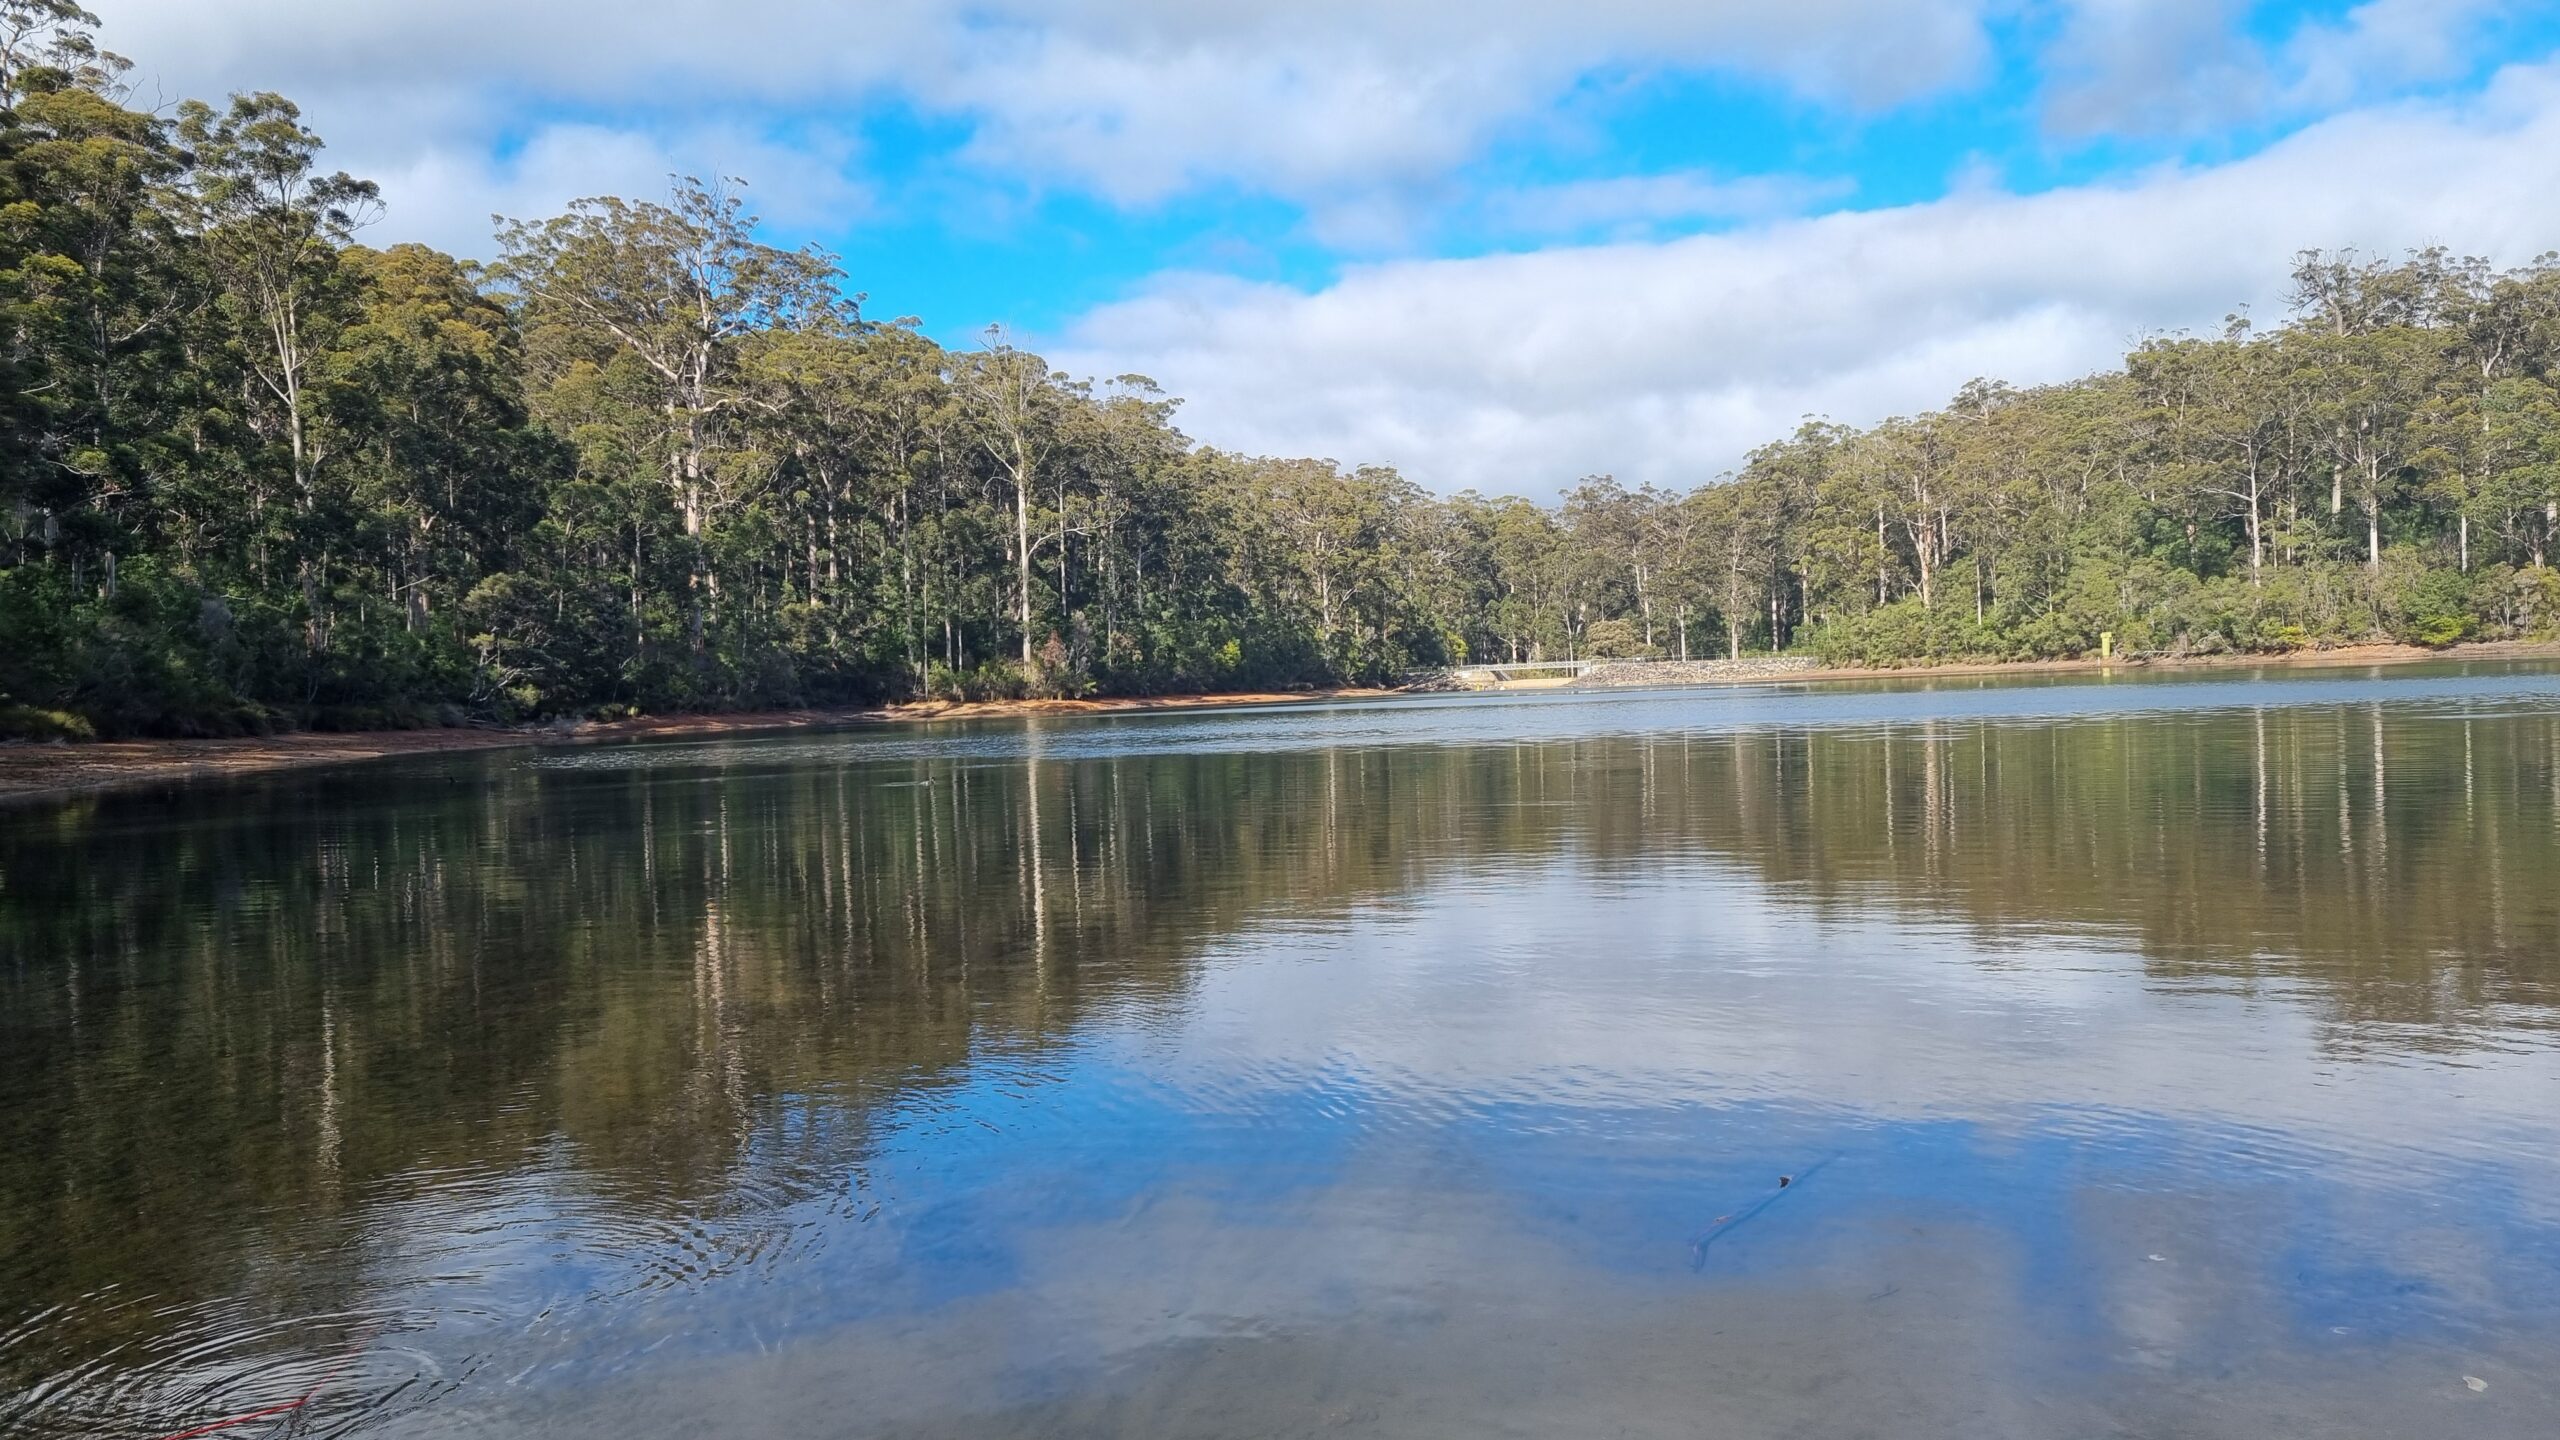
(257, 475)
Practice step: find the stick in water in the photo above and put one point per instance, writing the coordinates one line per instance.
(1727, 1224)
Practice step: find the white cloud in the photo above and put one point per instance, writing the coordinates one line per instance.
(1659, 359)
(1319, 101)
(1667, 361)
(2383, 43)
(2152, 66)
(446, 195)
(1629, 205)
(1137, 125)
(2185, 67)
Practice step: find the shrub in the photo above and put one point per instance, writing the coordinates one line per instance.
(2425, 606)
(1054, 674)
(986, 680)
(26, 722)
(1906, 631)
(1612, 639)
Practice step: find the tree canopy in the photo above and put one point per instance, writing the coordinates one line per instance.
(254, 473)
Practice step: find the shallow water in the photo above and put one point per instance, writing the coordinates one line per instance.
(2148, 1057)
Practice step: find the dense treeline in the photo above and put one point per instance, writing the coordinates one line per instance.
(257, 473)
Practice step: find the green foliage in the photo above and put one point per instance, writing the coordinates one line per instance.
(987, 680)
(253, 475)
(1904, 631)
(1612, 638)
(25, 722)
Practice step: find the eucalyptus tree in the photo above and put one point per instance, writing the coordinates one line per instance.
(1738, 551)
(847, 415)
(2223, 418)
(425, 402)
(677, 287)
(2343, 293)
(50, 37)
(2497, 329)
(254, 474)
(1318, 523)
(1910, 456)
(1623, 539)
(1793, 475)
(2367, 388)
(1132, 454)
(93, 291)
(2519, 487)
(271, 225)
(1517, 546)
(1018, 412)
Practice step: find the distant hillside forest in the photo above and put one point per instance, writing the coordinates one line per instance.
(254, 474)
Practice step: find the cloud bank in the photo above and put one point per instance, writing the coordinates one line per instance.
(1321, 102)
(1627, 344)
(1668, 361)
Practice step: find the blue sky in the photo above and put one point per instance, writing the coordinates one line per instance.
(1500, 243)
(1057, 250)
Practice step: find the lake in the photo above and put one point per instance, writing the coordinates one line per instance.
(2159, 1056)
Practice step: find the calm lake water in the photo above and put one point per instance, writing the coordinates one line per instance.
(2162, 1057)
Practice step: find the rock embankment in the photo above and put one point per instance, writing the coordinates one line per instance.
(1617, 674)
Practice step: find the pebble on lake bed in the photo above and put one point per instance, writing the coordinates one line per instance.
(2475, 1382)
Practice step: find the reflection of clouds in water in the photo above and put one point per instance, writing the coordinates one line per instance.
(1703, 986)
(1518, 1257)
(987, 1095)
(1377, 1162)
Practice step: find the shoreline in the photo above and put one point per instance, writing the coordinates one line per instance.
(34, 773)
(2340, 656)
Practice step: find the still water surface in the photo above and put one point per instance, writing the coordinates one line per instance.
(2155, 1058)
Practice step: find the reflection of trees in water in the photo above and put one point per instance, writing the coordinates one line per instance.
(2389, 869)
(242, 1022)
(237, 1021)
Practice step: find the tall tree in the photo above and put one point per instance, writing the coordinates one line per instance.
(271, 226)
(1017, 409)
(677, 287)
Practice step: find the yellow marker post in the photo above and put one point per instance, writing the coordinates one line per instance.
(2106, 646)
